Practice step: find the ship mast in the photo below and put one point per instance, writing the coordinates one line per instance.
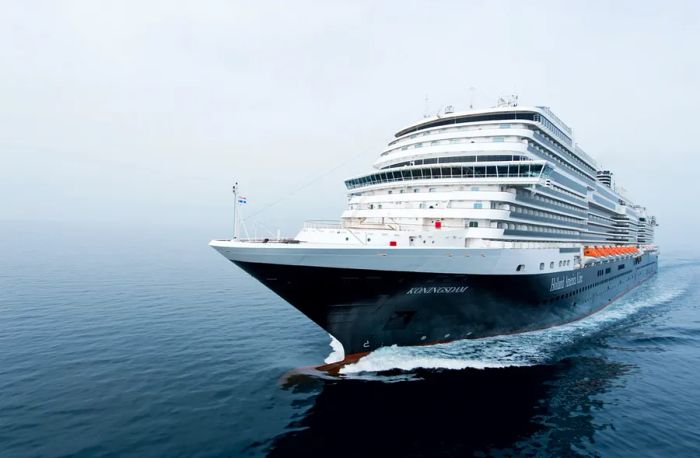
(235, 207)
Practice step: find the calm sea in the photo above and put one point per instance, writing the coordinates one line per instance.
(144, 341)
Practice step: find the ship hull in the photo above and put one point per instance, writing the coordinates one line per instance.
(366, 309)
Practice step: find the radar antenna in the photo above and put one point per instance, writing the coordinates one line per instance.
(508, 101)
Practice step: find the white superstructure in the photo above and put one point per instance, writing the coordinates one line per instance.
(503, 177)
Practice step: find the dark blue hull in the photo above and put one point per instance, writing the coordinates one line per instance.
(367, 309)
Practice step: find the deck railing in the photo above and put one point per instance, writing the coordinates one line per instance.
(323, 224)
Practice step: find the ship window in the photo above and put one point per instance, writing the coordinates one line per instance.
(551, 265)
(478, 205)
(542, 266)
(473, 224)
(520, 267)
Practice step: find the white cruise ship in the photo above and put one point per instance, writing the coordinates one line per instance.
(471, 224)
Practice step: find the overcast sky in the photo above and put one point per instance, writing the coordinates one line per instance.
(145, 112)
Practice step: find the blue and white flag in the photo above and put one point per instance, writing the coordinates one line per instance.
(242, 200)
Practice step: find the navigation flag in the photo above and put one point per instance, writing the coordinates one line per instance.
(242, 200)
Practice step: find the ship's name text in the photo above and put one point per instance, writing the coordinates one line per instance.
(438, 290)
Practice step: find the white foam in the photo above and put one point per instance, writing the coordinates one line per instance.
(526, 349)
(337, 353)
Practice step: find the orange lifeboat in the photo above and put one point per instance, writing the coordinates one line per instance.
(589, 251)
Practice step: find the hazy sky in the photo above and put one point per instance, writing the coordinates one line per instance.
(145, 112)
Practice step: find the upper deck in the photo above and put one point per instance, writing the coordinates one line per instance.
(541, 116)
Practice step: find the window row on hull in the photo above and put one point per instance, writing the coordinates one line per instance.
(555, 192)
(544, 200)
(485, 171)
(544, 216)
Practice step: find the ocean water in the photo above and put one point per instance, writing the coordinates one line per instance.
(119, 340)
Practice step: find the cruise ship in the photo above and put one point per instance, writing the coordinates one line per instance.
(472, 224)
